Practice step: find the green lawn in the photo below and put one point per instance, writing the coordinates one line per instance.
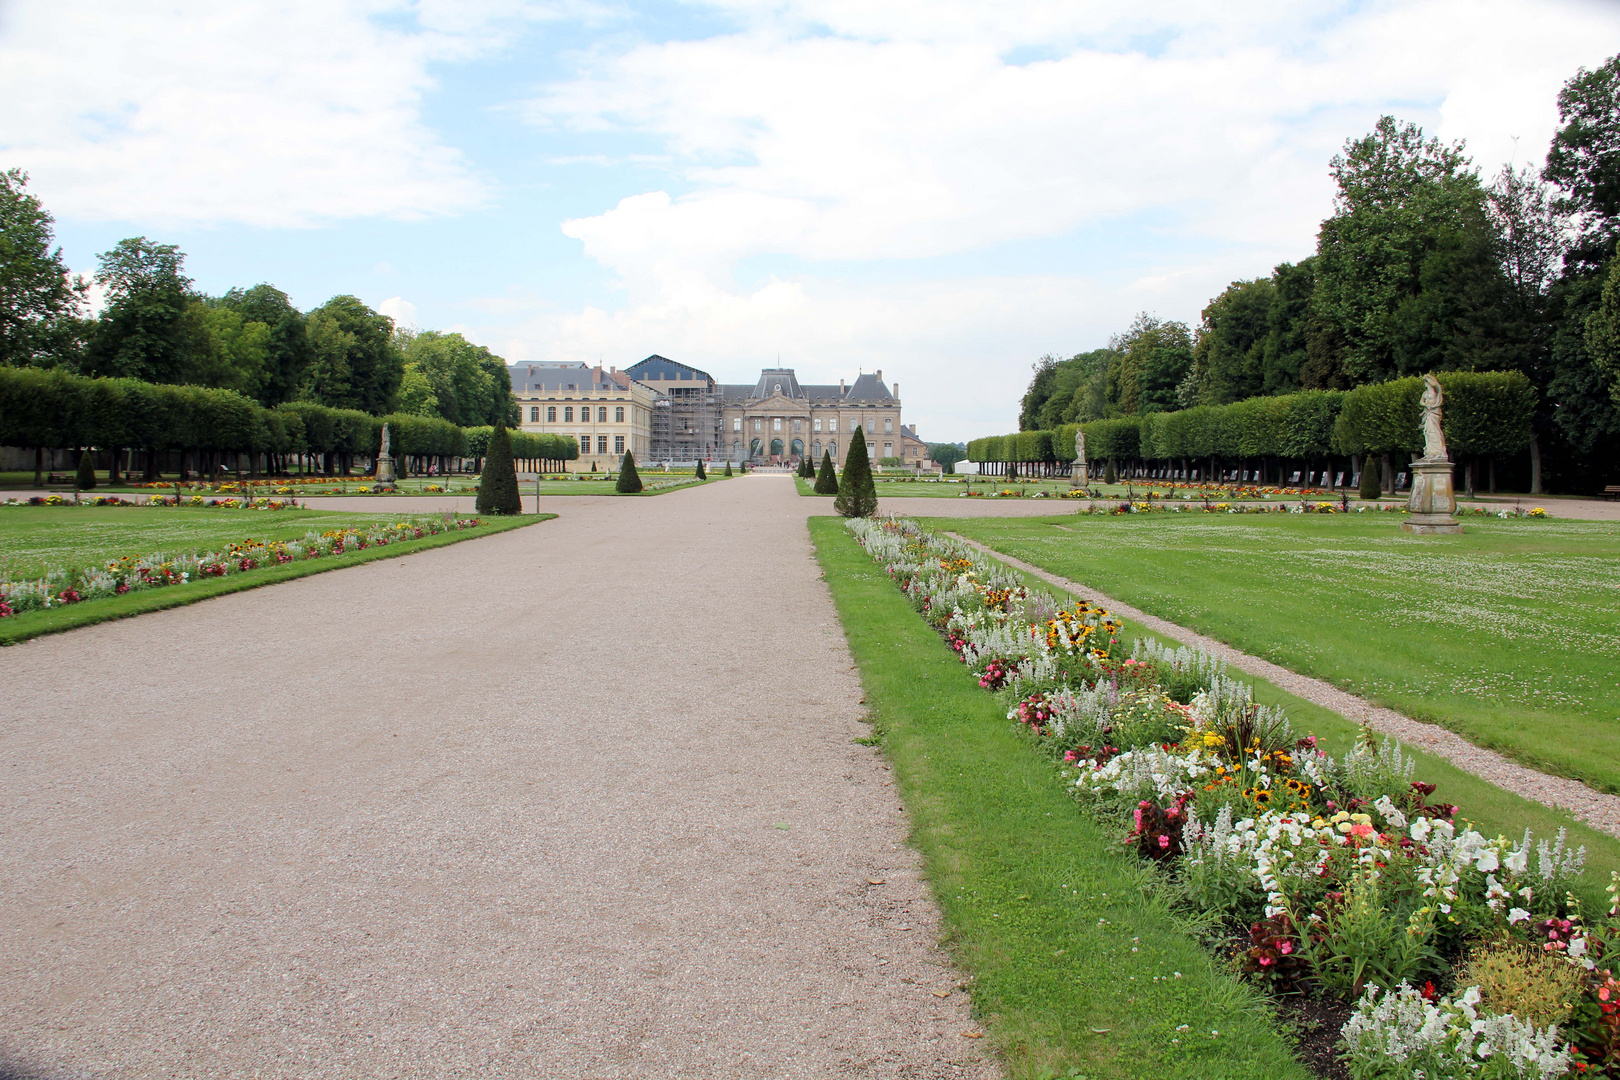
(1075, 969)
(1508, 634)
(37, 539)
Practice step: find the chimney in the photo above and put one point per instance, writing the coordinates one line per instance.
(896, 390)
(614, 369)
(880, 374)
(840, 387)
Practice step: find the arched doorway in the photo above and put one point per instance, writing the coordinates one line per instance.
(753, 448)
(816, 449)
(832, 448)
(798, 448)
(776, 448)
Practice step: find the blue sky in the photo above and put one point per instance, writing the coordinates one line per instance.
(945, 191)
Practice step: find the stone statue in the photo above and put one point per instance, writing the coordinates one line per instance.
(1432, 507)
(1434, 440)
(385, 463)
(1080, 446)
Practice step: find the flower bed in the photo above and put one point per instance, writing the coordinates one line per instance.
(1331, 879)
(195, 500)
(160, 570)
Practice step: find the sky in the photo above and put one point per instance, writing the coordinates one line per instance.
(944, 191)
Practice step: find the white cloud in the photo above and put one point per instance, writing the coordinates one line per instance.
(844, 131)
(198, 112)
(402, 311)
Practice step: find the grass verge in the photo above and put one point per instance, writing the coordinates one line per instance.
(34, 624)
(1077, 968)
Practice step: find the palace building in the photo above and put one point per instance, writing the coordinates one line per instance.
(680, 413)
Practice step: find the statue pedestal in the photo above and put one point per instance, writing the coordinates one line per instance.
(1079, 475)
(1433, 502)
(385, 471)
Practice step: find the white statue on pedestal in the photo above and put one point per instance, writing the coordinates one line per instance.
(1434, 440)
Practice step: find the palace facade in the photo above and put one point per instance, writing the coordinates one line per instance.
(668, 411)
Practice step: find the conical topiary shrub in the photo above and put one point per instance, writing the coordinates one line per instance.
(701, 475)
(1109, 475)
(498, 486)
(728, 466)
(807, 468)
(629, 480)
(1370, 487)
(827, 481)
(857, 494)
(85, 479)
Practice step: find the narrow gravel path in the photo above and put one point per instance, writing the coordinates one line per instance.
(578, 800)
(1597, 809)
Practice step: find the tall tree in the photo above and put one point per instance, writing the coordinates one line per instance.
(39, 303)
(289, 355)
(469, 383)
(1399, 195)
(1229, 357)
(1040, 389)
(144, 332)
(357, 364)
(1155, 357)
(1584, 160)
(1286, 357)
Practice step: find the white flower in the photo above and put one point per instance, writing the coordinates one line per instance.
(1518, 915)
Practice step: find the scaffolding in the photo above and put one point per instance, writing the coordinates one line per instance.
(686, 422)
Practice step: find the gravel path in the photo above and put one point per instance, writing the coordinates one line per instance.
(1597, 809)
(578, 800)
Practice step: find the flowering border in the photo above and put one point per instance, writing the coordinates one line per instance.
(1310, 843)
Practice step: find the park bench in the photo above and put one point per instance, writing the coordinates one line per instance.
(1612, 491)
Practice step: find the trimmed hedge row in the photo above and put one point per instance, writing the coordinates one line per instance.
(1486, 413)
(40, 408)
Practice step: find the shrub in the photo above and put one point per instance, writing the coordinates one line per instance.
(1532, 984)
(1370, 488)
(1109, 475)
(827, 480)
(85, 479)
(728, 467)
(629, 480)
(498, 486)
(857, 494)
(701, 475)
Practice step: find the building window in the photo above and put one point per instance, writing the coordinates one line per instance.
(618, 444)
(816, 424)
(798, 425)
(736, 425)
(888, 449)
(601, 442)
(534, 414)
(832, 425)
(601, 415)
(888, 425)
(832, 448)
(568, 414)
(815, 448)
(551, 414)
(618, 415)
(584, 444)
(776, 423)
(758, 424)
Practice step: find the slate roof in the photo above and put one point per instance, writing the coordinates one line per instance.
(869, 388)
